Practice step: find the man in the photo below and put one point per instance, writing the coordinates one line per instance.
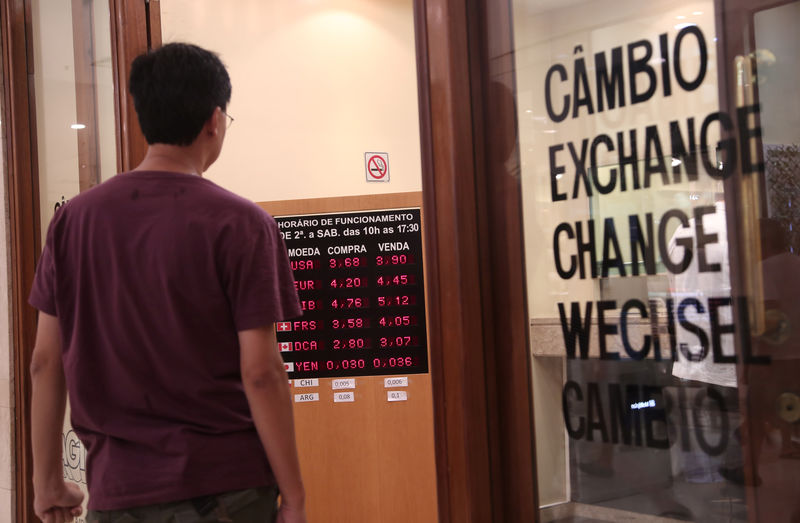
(158, 291)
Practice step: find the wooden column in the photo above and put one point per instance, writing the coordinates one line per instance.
(479, 329)
(135, 29)
(500, 210)
(135, 26)
(458, 366)
(83, 37)
(19, 131)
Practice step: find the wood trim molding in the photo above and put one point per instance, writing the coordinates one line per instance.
(153, 24)
(479, 327)
(129, 37)
(83, 36)
(456, 330)
(135, 29)
(500, 205)
(19, 119)
(365, 202)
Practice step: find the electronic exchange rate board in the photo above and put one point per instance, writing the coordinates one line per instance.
(359, 276)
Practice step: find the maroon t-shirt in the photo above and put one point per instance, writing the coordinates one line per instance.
(151, 275)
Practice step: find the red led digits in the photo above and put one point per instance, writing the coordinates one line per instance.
(397, 321)
(383, 363)
(394, 259)
(350, 323)
(347, 262)
(396, 280)
(397, 341)
(348, 283)
(398, 300)
(352, 343)
(345, 364)
(349, 303)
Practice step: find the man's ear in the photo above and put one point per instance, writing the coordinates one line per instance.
(212, 124)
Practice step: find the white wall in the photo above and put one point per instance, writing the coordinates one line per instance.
(316, 84)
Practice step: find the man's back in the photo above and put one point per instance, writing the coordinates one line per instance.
(151, 276)
(158, 292)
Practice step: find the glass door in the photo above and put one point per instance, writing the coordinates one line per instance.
(75, 124)
(74, 87)
(657, 165)
(761, 52)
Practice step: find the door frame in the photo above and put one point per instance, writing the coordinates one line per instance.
(135, 27)
(746, 203)
(480, 362)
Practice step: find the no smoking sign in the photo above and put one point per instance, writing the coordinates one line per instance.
(377, 165)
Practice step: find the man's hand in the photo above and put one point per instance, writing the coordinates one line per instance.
(289, 514)
(58, 504)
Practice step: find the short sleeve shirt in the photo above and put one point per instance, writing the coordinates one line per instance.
(151, 276)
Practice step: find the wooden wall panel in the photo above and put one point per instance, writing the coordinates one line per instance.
(370, 460)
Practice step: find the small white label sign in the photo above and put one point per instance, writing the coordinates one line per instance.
(343, 397)
(377, 165)
(397, 381)
(343, 384)
(303, 398)
(396, 395)
(307, 382)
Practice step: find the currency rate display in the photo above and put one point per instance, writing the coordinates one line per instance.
(360, 280)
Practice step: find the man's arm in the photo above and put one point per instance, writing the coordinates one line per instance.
(54, 499)
(266, 386)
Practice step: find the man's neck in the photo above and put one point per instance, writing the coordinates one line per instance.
(172, 158)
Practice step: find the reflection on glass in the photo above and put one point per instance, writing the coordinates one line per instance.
(75, 119)
(633, 169)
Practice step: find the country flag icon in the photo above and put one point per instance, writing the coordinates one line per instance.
(289, 366)
(285, 346)
(284, 326)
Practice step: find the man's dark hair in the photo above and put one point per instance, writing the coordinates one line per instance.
(175, 90)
